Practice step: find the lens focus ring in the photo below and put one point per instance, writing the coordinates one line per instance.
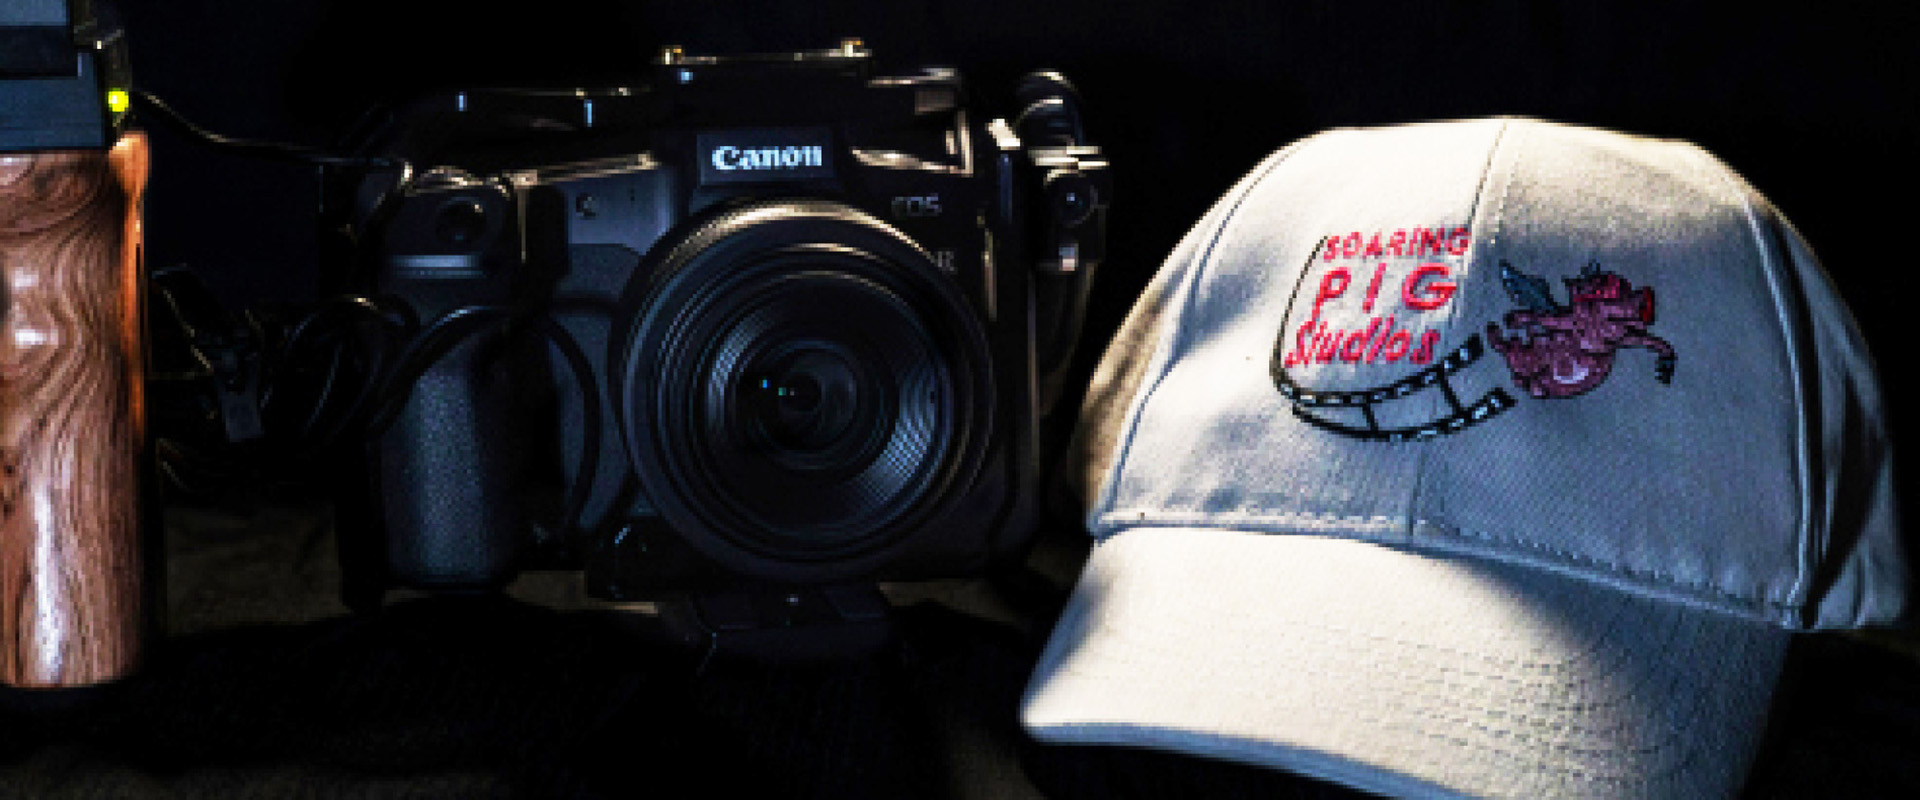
(801, 388)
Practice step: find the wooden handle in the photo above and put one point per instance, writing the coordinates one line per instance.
(72, 416)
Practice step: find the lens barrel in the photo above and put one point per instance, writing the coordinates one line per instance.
(801, 388)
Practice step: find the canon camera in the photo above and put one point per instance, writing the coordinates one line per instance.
(755, 321)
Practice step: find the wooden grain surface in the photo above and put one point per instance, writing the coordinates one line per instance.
(71, 414)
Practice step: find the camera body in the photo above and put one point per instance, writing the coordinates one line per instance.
(759, 321)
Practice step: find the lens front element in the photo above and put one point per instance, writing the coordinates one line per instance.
(803, 387)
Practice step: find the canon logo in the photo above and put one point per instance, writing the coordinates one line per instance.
(762, 155)
(728, 158)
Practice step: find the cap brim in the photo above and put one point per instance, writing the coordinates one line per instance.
(1401, 672)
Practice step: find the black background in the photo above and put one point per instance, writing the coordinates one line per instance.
(1815, 105)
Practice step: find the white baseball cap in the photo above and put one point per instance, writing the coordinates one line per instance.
(1494, 458)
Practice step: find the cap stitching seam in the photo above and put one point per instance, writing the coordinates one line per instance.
(1494, 223)
(1638, 572)
(1169, 340)
(1216, 520)
(1799, 597)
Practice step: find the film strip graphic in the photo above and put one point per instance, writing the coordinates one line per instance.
(1460, 416)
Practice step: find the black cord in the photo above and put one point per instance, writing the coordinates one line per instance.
(397, 321)
(589, 465)
(390, 376)
(394, 352)
(426, 349)
(389, 392)
(275, 150)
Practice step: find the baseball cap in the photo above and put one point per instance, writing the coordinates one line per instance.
(1492, 457)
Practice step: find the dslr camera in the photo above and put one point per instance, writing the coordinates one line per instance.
(766, 324)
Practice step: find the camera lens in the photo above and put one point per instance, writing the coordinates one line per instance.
(801, 387)
(805, 398)
(815, 408)
(806, 401)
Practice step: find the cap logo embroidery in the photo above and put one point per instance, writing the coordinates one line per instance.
(1565, 350)
(1389, 330)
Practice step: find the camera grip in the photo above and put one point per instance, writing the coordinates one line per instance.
(72, 415)
(449, 474)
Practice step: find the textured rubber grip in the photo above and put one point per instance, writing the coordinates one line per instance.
(449, 471)
(72, 415)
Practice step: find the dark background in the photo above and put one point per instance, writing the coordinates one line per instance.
(267, 687)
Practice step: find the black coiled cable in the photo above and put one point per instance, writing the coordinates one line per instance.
(399, 360)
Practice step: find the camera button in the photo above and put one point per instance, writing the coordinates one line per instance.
(461, 222)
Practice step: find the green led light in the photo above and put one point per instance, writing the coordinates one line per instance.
(118, 101)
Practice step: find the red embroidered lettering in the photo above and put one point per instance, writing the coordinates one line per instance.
(1326, 347)
(1332, 285)
(1424, 353)
(1381, 340)
(1356, 346)
(1397, 345)
(1302, 345)
(1428, 295)
(1405, 242)
(1429, 243)
(1373, 289)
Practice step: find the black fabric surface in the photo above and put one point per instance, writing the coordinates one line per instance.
(268, 689)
